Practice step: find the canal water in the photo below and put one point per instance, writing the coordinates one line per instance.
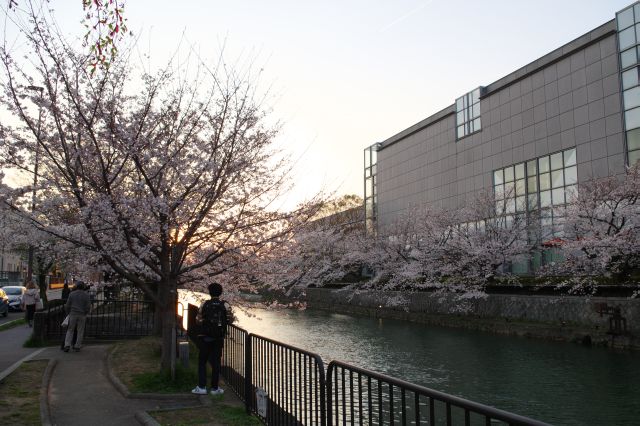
(559, 383)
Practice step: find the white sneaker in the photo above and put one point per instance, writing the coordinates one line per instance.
(199, 391)
(218, 391)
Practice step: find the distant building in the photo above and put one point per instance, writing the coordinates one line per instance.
(538, 132)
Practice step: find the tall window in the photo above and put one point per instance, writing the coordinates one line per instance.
(468, 113)
(370, 187)
(543, 185)
(628, 23)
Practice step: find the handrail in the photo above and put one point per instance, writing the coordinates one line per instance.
(490, 412)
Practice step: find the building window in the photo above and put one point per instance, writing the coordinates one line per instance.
(468, 114)
(370, 187)
(543, 185)
(628, 24)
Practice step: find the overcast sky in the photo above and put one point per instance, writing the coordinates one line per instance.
(346, 74)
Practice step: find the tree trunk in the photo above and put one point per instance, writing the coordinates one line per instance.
(168, 297)
(42, 285)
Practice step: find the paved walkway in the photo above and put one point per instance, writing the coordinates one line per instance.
(80, 392)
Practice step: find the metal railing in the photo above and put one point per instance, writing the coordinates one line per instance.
(356, 396)
(293, 379)
(234, 367)
(107, 320)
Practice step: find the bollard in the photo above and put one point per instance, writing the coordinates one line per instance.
(183, 353)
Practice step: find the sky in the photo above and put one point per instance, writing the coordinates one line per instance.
(343, 75)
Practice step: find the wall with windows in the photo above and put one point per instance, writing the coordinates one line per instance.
(567, 103)
(628, 24)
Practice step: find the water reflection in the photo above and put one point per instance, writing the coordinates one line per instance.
(559, 383)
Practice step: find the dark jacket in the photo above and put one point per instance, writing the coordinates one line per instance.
(78, 303)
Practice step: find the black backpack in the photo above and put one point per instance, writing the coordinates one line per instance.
(214, 319)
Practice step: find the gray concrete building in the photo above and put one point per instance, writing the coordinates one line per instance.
(538, 132)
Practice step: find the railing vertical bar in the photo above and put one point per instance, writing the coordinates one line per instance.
(351, 396)
(391, 405)
(467, 418)
(370, 400)
(448, 405)
(380, 413)
(432, 414)
(360, 399)
(417, 410)
(404, 406)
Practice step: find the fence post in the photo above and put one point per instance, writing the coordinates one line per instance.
(248, 397)
(329, 380)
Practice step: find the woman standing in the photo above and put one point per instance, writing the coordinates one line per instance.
(30, 298)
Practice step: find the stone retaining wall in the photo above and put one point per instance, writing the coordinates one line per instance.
(572, 318)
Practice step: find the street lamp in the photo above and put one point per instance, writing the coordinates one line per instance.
(35, 178)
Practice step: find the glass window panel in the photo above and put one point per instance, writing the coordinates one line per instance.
(571, 192)
(374, 156)
(637, 32)
(634, 156)
(498, 177)
(570, 157)
(628, 58)
(367, 157)
(511, 205)
(369, 186)
(367, 172)
(519, 171)
(520, 187)
(543, 164)
(374, 169)
(557, 180)
(630, 78)
(533, 202)
(475, 95)
(460, 131)
(476, 110)
(632, 118)
(571, 175)
(471, 127)
(627, 38)
(532, 184)
(545, 198)
(459, 104)
(558, 196)
(508, 174)
(545, 181)
(521, 204)
(465, 101)
(532, 168)
(460, 118)
(633, 139)
(625, 19)
(476, 124)
(499, 192)
(632, 97)
(509, 189)
(556, 161)
(636, 10)
(499, 207)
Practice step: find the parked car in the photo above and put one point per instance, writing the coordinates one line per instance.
(4, 303)
(14, 293)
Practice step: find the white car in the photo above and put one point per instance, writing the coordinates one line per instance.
(14, 293)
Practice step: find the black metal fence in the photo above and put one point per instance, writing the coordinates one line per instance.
(356, 396)
(292, 378)
(113, 319)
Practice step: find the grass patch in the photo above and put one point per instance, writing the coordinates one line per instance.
(14, 323)
(137, 365)
(20, 394)
(217, 415)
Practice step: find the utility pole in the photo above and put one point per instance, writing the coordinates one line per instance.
(35, 178)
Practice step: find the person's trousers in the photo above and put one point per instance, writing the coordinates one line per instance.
(31, 310)
(76, 322)
(211, 352)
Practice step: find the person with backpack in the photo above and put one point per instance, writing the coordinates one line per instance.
(212, 320)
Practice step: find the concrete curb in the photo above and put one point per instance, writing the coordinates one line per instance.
(45, 410)
(115, 381)
(145, 419)
(10, 324)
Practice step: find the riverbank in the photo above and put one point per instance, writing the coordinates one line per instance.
(559, 318)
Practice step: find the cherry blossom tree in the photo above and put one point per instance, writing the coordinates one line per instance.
(602, 230)
(167, 178)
